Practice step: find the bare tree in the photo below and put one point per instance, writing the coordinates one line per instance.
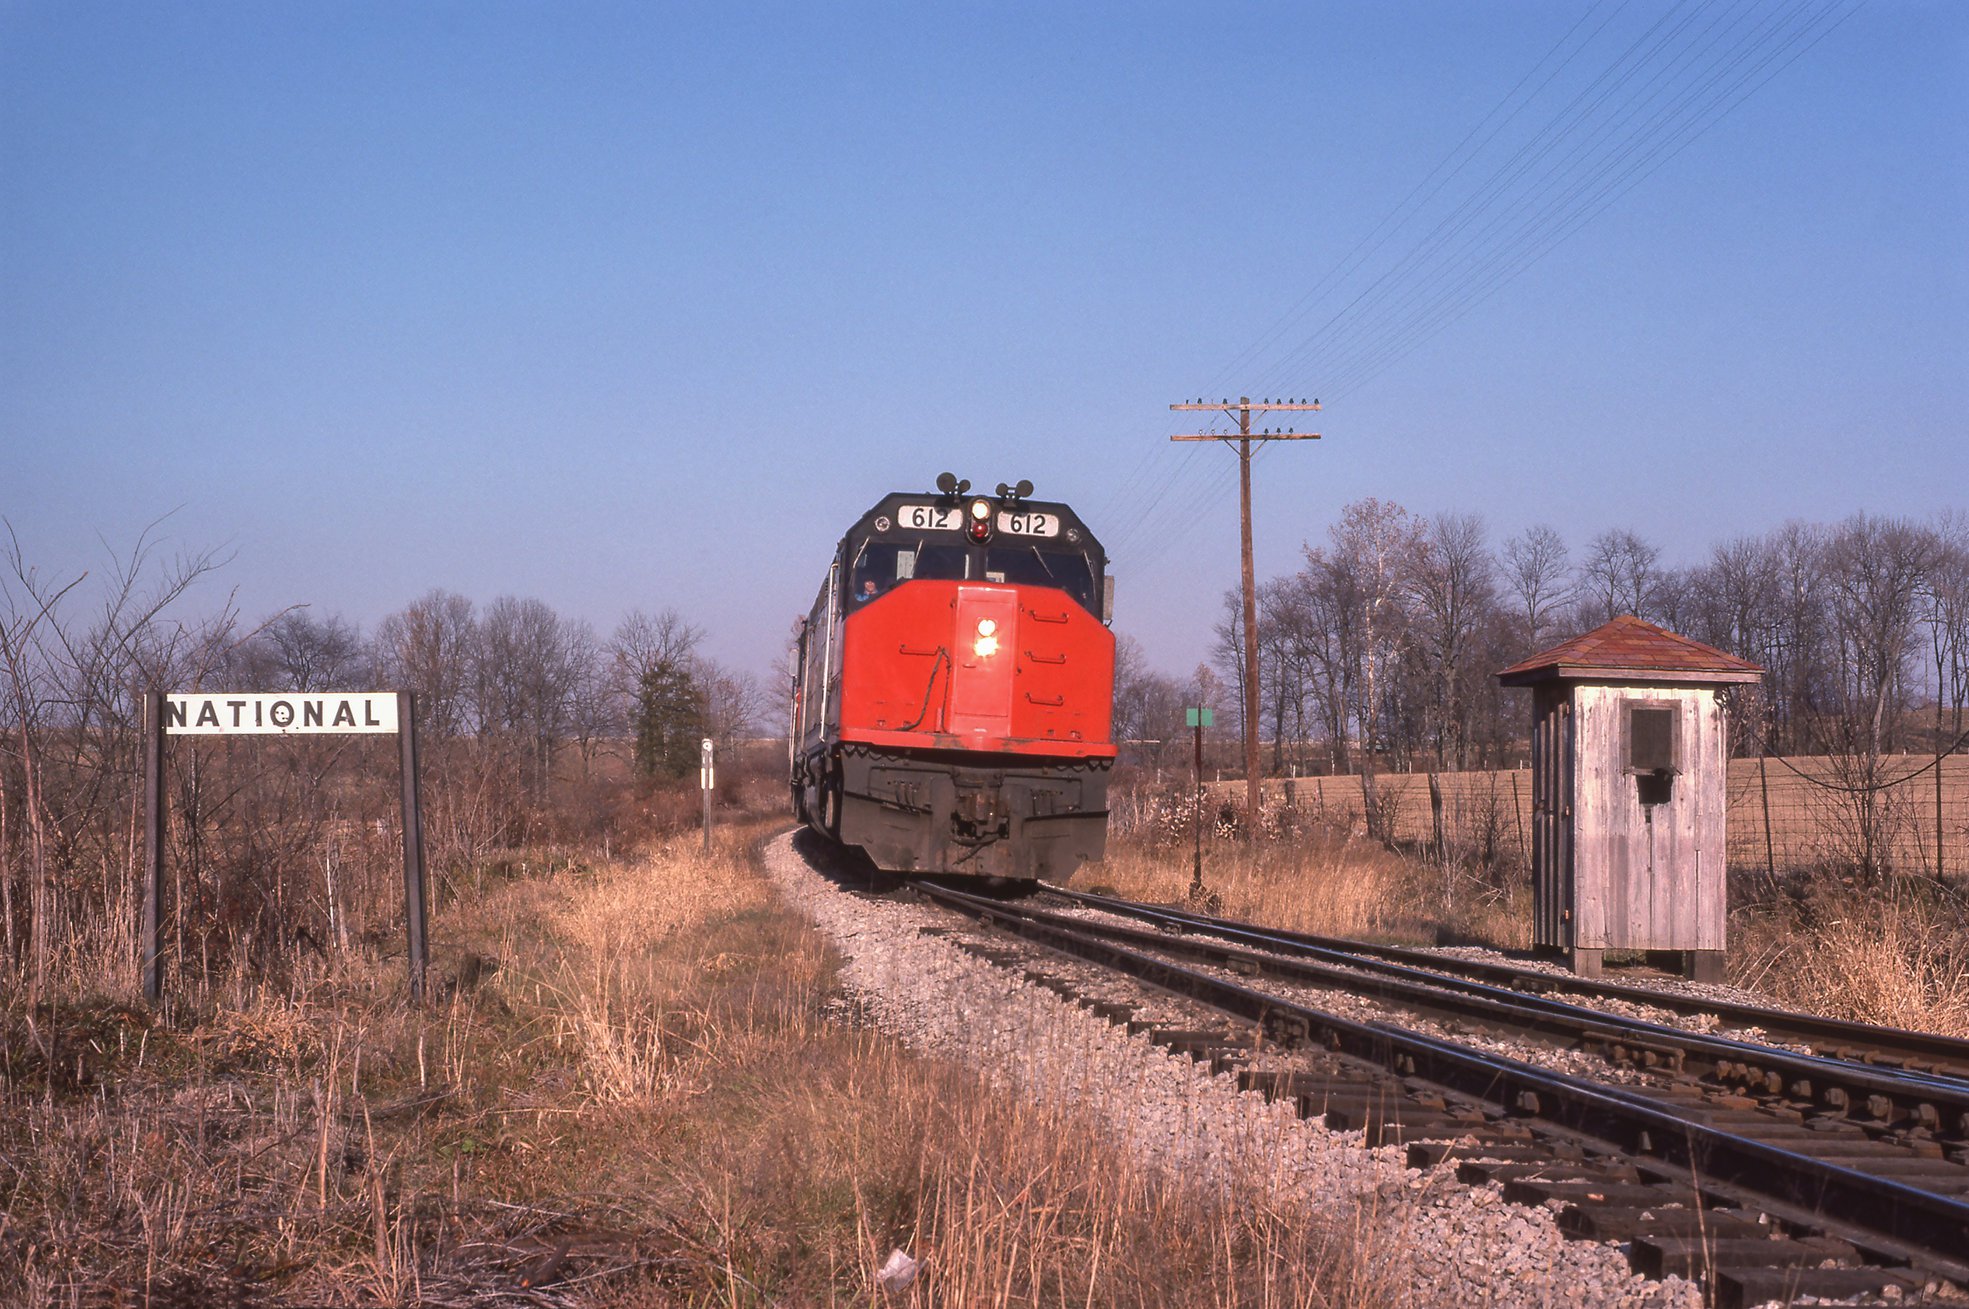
(732, 702)
(1947, 618)
(529, 664)
(295, 651)
(1374, 545)
(1946, 615)
(1282, 687)
(431, 646)
(593, 712)
(1879, 571)
(1452, 583)
(1148, 706)
(643, 640)
(1227, 652)
(69, 752)
(1536, 567)
(1318, 619)
(1619, 576)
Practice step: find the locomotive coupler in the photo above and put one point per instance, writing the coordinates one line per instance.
(979, 817)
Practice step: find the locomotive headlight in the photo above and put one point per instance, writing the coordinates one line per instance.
(979, 528)
(987, 642)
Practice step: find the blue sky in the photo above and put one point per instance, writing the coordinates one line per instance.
(637, 306)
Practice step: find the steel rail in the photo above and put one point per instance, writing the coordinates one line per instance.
(1904, 1221)
(1830, 1036)
(1841, 1085)
(1887, 1096)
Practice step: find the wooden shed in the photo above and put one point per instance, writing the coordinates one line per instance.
(1629, 766)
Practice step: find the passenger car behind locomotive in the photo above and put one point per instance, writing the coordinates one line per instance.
(954, 687)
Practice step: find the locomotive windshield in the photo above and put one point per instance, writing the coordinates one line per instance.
(892, 553)
(1032, 566)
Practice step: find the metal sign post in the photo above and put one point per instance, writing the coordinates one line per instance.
(151, 958)
(279, 714)
(707, 781)
(413, 842)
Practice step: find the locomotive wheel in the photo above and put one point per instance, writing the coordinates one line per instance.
(830, 803)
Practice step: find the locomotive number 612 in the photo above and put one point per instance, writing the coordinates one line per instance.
(954, 687)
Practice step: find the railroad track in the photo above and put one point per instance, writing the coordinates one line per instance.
(1766, 1173)
(1891, 1047)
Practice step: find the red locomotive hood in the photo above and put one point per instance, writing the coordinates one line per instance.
(978, 666)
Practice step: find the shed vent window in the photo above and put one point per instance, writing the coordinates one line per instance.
(1651, 739)
(1649, 746)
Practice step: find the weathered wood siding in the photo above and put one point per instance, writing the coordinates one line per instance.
(1648, 877)
(1551, 816)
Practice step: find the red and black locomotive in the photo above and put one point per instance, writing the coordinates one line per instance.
(954, 687)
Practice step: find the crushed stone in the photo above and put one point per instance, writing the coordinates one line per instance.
(1455, 1244)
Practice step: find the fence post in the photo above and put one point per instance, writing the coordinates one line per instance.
(1940, 870)
(1196, 868)
(1524, 852)
(1764, 788)
(1436, 817)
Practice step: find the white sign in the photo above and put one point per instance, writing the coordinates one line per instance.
(1028, 522)
(933, 518)
(707, 777)
(286, 713)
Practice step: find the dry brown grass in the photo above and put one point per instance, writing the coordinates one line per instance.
(1320, 878)
(628, 1093)
(1896, 954)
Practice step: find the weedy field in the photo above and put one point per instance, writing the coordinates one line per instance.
(1892, 949)
(636, 1084)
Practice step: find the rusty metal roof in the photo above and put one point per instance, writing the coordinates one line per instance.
(1630, 650)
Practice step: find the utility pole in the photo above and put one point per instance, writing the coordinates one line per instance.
(1242, 411)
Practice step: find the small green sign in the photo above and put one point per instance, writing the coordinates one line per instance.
(1197, 718)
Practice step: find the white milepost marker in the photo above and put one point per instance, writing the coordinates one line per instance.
(707, 781)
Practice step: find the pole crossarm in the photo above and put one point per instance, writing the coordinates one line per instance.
(1242, 411)
(1239, 436)
(1261, 406)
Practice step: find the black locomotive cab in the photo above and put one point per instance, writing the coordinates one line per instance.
(947, 538)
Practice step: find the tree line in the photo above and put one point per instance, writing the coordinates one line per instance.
(516, 703)
(1378, 650)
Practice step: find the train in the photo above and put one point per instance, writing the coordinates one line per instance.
(953, 687)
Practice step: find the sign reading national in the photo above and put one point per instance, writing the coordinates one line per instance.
(280, 713)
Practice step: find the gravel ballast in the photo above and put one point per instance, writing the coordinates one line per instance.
(1456, 1244)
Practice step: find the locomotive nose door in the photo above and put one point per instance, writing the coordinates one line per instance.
(984, 651)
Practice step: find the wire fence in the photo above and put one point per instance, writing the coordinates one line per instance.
(1904, 813)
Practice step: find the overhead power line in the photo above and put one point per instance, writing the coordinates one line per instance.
(1569, 139)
